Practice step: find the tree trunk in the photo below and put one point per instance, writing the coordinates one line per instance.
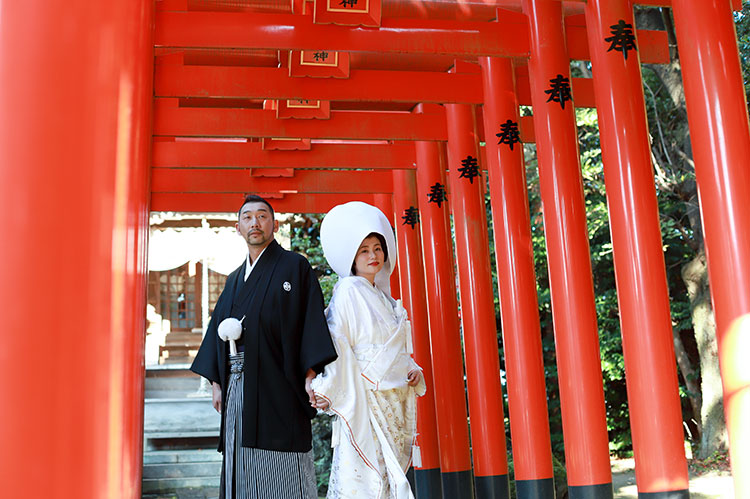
(690, 379)
(714, 434)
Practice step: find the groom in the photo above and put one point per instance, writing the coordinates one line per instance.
(266, 435)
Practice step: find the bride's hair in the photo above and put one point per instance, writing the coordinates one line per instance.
(382, 245)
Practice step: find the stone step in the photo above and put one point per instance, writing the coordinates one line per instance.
(168, 441)
(185, 434)
(177, 383)
(179, 350)
(188, 493)
(169, 371)
(183, 414)
(181, 456)
(180, 418)
(172, 394)
(192, 342)
(184, 335)
(174, 485)
(177, 359)
(183, 470)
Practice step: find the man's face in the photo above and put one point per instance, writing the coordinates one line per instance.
(256, 225)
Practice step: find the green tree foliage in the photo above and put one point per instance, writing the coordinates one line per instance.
(742, 23)
(305, 239)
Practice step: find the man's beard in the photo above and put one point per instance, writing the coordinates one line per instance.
(252, 238)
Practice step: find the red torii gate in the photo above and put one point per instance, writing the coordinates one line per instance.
(75, 138)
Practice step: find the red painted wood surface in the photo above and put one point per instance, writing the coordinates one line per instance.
(442, 306)
(415, 301)
(289, 32)
(366, 13)
(506, 37)
(718, 120)
(398, 155)
(522, 338)
(169, 119)
(642, 292)
(175, 80)
(227, 202)
(568, 255)
(74, 164)
(477, 306)
(240, 180)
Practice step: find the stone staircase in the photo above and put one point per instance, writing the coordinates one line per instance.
(181, 473)
(181, 431)
(180, 347)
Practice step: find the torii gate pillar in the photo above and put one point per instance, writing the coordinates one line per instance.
(642, 292)
(445, 338)
(717, 114)
(522, 339)
(568, 256)
(75, 90)
(384, 202)
(477, 307)
(427, 464)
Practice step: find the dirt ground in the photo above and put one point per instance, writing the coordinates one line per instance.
(714, 482)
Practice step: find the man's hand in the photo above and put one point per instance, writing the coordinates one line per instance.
(308, 386)
(216, 396)
(412, 379)
(320, 403)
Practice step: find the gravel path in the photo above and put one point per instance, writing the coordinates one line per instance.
(712, 485)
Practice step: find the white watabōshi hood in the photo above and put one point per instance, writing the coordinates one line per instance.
(342, 231)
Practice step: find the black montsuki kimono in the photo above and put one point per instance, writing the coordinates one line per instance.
(284, 334)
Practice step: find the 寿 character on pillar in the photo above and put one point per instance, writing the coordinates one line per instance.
(622, 38)
(411, 216)
(559, 90)
(437, 194)
(469, 168)
(509, 134)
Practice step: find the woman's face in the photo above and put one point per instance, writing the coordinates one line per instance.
(370, 258)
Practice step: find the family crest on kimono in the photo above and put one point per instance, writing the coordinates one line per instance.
(266, 340)
(372, 387)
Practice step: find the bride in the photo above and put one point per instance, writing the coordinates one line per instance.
(372, 387)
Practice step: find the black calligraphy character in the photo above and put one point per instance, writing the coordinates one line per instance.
(348, 3)
(411, 216)
(622, 38)
(320, 55)
(509, 134)
(437, 194)
(559, 90)
(470, 168)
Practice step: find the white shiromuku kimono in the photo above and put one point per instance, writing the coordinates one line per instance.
(366, 387)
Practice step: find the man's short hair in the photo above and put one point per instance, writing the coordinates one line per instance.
(254, 198)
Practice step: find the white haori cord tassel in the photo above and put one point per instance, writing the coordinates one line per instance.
(231, 329)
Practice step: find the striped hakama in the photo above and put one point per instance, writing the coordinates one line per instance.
(251, 473)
